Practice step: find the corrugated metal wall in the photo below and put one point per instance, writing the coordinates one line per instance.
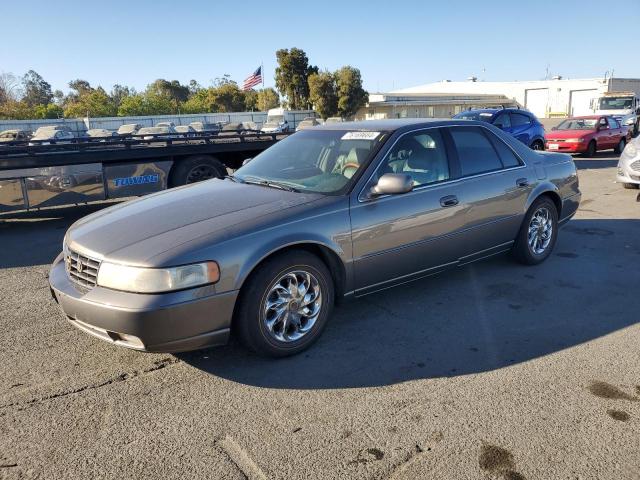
(79, 126)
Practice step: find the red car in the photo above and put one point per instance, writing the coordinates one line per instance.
(587, 135)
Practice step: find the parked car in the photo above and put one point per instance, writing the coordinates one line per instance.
(186, 129)
(334, 120)
(307, 122)
(234, 128)
(157, 132)
(170, 125)
(129, 129)
(101, 133)
(518, 123)
(202, 127)
(588, 135)
(629, 165)
(50, 136)
(335, 211)
(15, 135)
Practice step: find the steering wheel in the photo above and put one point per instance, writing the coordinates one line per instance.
(350, 165)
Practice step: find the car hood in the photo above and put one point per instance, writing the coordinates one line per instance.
(136, 231)
(563, 134)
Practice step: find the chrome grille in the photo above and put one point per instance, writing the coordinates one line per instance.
(81, 269)
(635, 166)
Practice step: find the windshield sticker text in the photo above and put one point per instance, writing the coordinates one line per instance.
(360, 135)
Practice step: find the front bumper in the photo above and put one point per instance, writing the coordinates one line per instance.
(627, 174)
(169, 322)
(566, 147)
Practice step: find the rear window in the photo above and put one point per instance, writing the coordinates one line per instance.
(475, 152)
(509, 159)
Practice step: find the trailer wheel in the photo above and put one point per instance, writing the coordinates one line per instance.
(196, 169)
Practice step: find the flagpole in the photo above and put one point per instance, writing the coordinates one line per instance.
(262, 73)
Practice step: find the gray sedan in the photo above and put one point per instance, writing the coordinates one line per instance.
(337, 211)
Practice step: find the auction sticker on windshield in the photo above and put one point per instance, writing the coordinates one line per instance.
(360, 135)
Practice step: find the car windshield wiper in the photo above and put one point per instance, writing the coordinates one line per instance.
(234, 179)
(270, 183)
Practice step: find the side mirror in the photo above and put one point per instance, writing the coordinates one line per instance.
(246, 160)
(392, 184)
(554, 128)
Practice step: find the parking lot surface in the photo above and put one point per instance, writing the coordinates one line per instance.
(494, 370)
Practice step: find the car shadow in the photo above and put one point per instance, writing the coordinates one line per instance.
(601, 160)
(478, 318)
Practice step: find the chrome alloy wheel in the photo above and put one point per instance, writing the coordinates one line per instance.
(292, 306)
(540, 231)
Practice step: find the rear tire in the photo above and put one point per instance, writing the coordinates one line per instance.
(592, 148)
(631, 186)
(196, 169)
(537, 145)
(620, 147)
(538, 233)
(272, 321)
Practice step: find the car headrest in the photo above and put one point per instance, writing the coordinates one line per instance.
(357, 155)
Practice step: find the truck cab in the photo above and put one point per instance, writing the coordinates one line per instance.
(276, 121)
(623, 106)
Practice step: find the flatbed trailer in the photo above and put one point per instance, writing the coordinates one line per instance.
(35, 175)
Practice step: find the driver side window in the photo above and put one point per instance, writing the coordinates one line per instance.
(422, 155)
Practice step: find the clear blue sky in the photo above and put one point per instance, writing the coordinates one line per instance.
(394, 43)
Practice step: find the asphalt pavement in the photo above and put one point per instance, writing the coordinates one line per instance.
(492, 371)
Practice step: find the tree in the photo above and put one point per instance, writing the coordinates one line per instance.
(93, 103)
(36, 90)
(8, 88)
(351, 95)
(50, 110)
(267, 98)
(250, 100)
(118, 93)
(194, 87)
(171, 89)
(292, 77)
(322, 94)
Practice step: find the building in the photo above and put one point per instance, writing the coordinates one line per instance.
(557, 97)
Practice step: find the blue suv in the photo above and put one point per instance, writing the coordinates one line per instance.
(519, 123)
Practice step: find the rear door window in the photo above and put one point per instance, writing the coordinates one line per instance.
(475, 152)
(502, 121)
(509, 159)
(518, 119)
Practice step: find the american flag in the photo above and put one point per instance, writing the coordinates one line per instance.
(252, 80)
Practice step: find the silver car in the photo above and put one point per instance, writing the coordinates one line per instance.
(629, 165)
(335, 211)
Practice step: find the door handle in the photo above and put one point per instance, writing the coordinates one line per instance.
(522, 182)
(449, 201)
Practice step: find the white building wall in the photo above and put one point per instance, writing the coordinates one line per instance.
(545, 98)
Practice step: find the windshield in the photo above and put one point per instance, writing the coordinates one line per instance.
(127, 128)
(322, 161)
(578, 124)
(275, 119)
(482, 116)
(615, 103)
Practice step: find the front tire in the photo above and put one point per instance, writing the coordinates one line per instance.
(620, 147)
(196, 169)
(592, 148)
(285, 304)
(631, 186)
(538, 233)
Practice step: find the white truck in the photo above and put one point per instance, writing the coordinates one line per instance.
(277, 121)
(623, 106)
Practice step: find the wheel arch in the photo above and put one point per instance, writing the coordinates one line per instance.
(546, 190)
(330, 255)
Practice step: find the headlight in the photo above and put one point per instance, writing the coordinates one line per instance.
(630, 151)
(629, 121)
(574, 140)
(155, 280)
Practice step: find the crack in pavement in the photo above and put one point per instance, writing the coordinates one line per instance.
(157, 365)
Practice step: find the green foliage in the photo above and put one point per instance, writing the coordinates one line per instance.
(292, 77)
(322, 94)
(351, 95)
(92, 103)
(36, 90)
(146, 104)
(50, 110)
(267, 98)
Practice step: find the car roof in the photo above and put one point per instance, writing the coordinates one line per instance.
(392, 125)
